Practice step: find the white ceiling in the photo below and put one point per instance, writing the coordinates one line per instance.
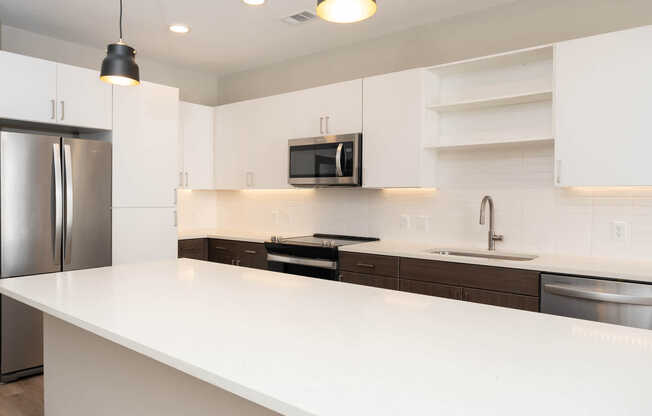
(227, 35)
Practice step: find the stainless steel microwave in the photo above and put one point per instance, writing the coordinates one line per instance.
(326, 161)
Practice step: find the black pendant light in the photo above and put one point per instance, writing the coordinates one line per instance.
(345, 11)
(119, 67)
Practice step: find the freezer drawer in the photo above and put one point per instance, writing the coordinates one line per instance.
(621, 303)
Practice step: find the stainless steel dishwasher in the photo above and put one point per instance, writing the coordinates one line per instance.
(614, 302)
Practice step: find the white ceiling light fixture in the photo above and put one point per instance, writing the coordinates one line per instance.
(254, 2)
(346, 11)
(179, 28)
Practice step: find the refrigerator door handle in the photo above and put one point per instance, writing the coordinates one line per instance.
(69, 204)
(58, 203)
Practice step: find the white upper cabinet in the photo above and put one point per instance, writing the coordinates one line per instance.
(603, 97)
(83, 100)
(28, 87)
(196, 146)
(393, 133)
(145, 140)
(251, 139)
(232, 126)
(46, 92)
(328, 110)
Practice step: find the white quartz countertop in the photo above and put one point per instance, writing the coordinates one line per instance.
(635, 270)
(250, 236)
(303, 346)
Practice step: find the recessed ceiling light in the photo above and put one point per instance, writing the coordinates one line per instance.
(254, 2)
(345, 11)
(179, 28)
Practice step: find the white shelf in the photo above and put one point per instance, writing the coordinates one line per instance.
(494, 101)
(490, 143)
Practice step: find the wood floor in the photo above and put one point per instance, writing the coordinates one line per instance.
(22, 398)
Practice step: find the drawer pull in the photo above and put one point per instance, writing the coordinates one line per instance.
(366, 265)
(220, 248)
(250, 251)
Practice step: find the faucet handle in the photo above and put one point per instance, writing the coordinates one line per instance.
(497, 237)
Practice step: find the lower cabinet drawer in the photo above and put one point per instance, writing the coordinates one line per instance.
(222, 251)
(252, 255)
(431, 289)
(195, 248)
(369, 280)
(507, 300)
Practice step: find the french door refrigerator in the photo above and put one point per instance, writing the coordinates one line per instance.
(55, 215)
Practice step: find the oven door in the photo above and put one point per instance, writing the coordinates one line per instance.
(303, 266)
(330, 160)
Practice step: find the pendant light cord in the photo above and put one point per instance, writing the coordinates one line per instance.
(120, 20)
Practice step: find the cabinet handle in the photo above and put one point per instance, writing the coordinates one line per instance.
(53, 103)
(187, 179)
(175, 218)
(250, 179)
(237, 262)
(233, 262)
(181, 179)
(220, 248)
(558, 172)
(327, 119)
(366, 265)
(250, 251)
(63, 109)
(321, 125)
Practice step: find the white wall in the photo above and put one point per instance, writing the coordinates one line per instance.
(195, 87)
(533, 215)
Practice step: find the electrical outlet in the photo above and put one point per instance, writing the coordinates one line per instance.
(422, 223)
(620, 231)
(405, 222)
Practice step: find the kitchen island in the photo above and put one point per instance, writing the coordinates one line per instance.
(197, 338)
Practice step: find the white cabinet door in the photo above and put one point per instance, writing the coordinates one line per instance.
(144, 234)
(331, 109)
(392, 140)
(83, 100)
(197, 135)
(28, 88)
(145, 145)
(231, 134)
(603, 97)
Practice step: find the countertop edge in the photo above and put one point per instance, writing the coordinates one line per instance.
(249, 394)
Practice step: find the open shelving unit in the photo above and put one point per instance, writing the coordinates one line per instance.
(491, 101)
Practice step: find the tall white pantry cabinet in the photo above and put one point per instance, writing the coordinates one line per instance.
(145, 134)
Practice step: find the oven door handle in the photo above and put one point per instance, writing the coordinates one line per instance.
(574, 292)
(322, 264)
(338, 160)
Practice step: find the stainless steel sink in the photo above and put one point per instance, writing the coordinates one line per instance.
(483, 254)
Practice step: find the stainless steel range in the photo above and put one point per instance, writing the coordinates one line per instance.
(313, 256)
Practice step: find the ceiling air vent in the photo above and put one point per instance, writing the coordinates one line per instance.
(299, 18)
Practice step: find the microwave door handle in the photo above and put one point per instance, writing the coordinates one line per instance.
(338, 160)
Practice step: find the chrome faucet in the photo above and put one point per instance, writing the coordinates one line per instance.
(493, 237)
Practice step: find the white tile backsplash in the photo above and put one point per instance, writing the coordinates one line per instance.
(531, 213)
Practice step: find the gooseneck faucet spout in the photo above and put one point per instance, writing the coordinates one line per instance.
(493, 237)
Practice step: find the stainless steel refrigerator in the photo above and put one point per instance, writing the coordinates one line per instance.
(55, 215)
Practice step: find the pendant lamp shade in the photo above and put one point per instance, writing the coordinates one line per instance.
(346, 11)
(119, 67)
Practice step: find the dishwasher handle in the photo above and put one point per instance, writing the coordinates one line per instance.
(578, 293)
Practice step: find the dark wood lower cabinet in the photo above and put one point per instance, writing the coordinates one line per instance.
(431, 289)
(196, 248)
(507, 300)
(222, 251)
(369, 280)
(252, 255)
